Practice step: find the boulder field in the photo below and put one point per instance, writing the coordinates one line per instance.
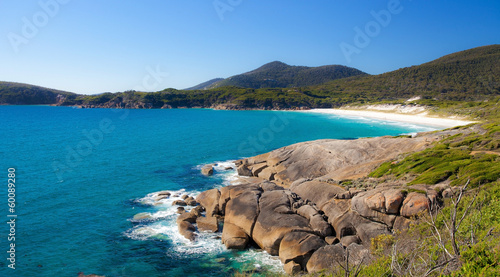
(291, 202)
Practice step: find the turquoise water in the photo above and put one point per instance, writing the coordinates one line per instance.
(82, 175)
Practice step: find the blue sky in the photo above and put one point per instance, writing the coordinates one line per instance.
(90, 46)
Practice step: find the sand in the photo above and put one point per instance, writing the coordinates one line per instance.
(421, 118)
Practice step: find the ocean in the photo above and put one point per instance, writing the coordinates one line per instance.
(81, 175)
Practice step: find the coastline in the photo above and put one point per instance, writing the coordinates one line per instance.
(421, 118)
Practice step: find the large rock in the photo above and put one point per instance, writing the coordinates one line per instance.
(330, 256)
(210, 201)
(292, 268)
(325, 257)
(179, 203)
(233, 237)
(331, 159)
(372, 205)
(317, 192)
(208, 223)
(243, 170)
(275, 220)
(229, 192)
(351, 223)
(298, 247)
(189, 217)
(243, 210)
(414, 204)
(187, 230)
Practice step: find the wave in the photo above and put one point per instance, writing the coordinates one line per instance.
(160, 224)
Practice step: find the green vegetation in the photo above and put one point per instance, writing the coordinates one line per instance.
(426, 249)
(280, 75)
(474, 157)
(23, 94)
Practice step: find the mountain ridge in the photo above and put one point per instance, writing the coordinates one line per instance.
(278, 74)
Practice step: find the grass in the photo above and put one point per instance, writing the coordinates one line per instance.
(451, 160)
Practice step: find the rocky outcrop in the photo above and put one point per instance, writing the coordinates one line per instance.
(291, 202)
(329, 159)
(207, 170)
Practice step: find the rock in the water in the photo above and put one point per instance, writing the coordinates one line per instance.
(190, 201)
(189, 217)
(207, 170)
(141, 216)
(180, 210)
(208, 223)
(233, 237)
(179, 203)
(184, 197)
(161, 197)
(187, 230)
(197, 211)
(164, 193)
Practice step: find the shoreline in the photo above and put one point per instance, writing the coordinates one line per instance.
(419, 119)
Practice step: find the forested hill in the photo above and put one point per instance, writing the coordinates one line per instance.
(280, 75)
(24, 94)
(467, 75)
(471, 75)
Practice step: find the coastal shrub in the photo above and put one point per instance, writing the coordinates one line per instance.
(381, 243)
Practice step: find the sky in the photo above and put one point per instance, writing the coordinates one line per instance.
(95, 46)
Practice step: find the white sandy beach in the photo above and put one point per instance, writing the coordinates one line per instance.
(420, 118)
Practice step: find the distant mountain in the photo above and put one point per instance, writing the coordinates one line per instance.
(25, 94)
(205, 85)
(280, 75)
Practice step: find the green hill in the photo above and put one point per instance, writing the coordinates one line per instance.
(280, 75)
(24, 94)
(467, 75)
